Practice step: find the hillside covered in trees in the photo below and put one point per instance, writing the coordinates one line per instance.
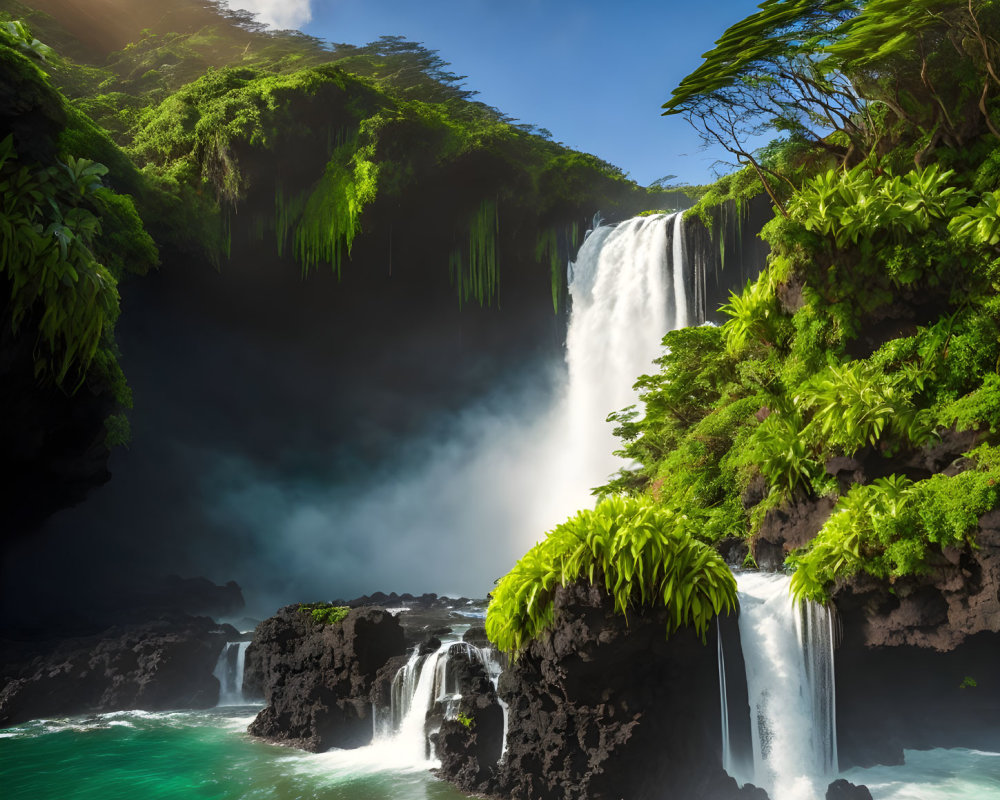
(167, 135)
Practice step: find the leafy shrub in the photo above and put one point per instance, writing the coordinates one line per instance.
(324, 613)
(892, 527)
(851, 207)
(643, 553)
(47, 235)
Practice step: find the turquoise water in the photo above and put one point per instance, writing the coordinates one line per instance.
(935, 775)
(206, 755)
(201, 755)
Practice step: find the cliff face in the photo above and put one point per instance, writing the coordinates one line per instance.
(162, 664)
(604, 707)
(917, 665)
(316, 678)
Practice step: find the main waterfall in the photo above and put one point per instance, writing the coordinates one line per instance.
(628, 286)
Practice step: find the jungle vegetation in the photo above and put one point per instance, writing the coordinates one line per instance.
(873, 334)
(182, 127)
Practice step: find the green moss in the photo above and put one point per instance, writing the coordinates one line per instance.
(325, 613)
(474, 268)
(331, 213)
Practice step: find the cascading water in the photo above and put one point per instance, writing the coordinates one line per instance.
(788, 651)
(628, 288)
(428, 683)
(229, 672)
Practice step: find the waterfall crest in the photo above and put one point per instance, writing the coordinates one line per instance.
(788, 651)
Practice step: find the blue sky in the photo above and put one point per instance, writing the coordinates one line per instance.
(595, 74)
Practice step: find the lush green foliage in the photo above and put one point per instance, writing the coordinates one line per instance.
(465, 720)
(644, 555)
(49, 229)
(876, 325)
(474, 271)
(325, 613)
(894, 526)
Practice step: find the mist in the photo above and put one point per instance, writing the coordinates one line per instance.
(312, 439)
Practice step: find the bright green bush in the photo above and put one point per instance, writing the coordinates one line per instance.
(324, 613)
(892, 527)
(643, 554)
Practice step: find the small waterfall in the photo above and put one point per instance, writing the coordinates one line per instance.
(727, 756)
(788, 651)
(427, 691)
(680, 276)
(229, 672)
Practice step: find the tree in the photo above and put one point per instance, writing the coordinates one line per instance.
(767, 72)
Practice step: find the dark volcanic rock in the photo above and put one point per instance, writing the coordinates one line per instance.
(785, 528)
(165, 663)
(912, 648)
(381, 693)
(469, 753)
(317, 679)
(845, 790)
(958, 598)
(601, 707)
(476, 636)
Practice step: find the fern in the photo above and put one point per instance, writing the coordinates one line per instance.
(643, 553)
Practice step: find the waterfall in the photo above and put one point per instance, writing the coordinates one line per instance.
(788, 651)
(425, 692)
(229, 672)
(680, 274)
(727, 756)
(628, 287)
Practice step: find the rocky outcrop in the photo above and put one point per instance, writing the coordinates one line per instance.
(470, 745)
(317, 678)
(165, 663)
(958, 598)
(604, 707)
(845, 790)
(926, 648)
(788, 527)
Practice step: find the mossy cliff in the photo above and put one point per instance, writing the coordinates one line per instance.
(186, 134)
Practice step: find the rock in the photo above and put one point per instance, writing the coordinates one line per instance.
(788, 527)
(958, 598)
(196, 596)
(161, 664)
(317, 679)
(469, 752)
(841, 789)
(601, 707)
(733, 549)
(428, 646)
(381, 692)
(911, 647)
(476, 636)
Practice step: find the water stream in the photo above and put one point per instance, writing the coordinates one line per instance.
(788, 652)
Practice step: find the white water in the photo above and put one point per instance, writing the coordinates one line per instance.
(627, 290)
(788, 652)
(229, 672)
(424, 683)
